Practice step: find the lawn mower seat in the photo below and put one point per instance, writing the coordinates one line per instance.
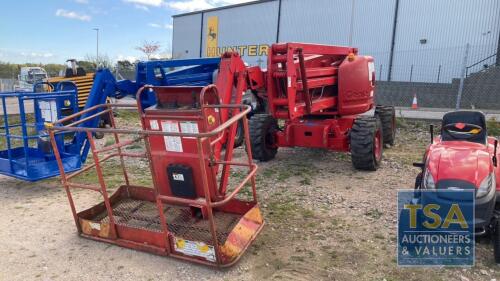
(468, 117)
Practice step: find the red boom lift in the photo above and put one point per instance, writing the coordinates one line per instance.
(320, 91)
(190, 213)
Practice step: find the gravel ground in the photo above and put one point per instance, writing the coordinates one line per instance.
(325, 221)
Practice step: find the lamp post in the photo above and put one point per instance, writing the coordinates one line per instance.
(97, 43)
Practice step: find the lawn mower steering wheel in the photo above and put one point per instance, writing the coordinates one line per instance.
(462, 131)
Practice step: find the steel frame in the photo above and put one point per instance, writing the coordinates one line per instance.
(146, 240)
(24, 162)
(295, 72)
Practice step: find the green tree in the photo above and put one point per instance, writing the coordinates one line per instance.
(125, 65)
(87, 66)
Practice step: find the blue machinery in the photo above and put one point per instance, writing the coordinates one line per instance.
(189, 72)
(25, 151)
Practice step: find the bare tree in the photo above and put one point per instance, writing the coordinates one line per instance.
(149, 48)
(99, 62)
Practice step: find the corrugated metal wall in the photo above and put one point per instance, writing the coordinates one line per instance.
(186, 36)
(245, 25)
(429, 41)
(319, 21)
(328, 22)
(447, 26)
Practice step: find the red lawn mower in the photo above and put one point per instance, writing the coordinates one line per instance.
(464, 157)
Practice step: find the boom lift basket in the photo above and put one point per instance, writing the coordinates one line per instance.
(26, 152)
(186, 213)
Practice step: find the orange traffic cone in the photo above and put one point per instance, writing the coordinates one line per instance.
(414, 104)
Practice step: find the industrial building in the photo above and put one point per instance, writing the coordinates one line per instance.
(411, 41)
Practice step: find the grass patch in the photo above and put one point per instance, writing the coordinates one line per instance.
(307, 213)
(493, 127)
(109, 141)
(267, 173)
(281, 210)
(128, 117)
(401, 123)
(304, 171)
(297, 258)
(305, 181)
(374, 213)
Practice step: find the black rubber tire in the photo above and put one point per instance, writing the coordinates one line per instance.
(262, 129)
(362, 140)
(387, 115)
(105, 121)
(240, 135)
(98, 135)
(496, 241)
(418, 180)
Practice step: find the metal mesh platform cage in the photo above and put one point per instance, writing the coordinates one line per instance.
(204, 229)
(181, 222)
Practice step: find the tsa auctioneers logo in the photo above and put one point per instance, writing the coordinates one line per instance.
(436, 228)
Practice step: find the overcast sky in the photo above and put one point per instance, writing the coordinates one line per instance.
(52, 31)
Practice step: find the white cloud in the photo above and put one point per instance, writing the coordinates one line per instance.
(82, 1)
(195, 5)
(37, 55)
(191, 5)
(164, 26)
(128, 58)
(141, 7)
(27, 55)
(154, 3)
(231, 2)
(72, 15)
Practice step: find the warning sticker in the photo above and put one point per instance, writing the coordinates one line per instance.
(171, 143)
(189, 127)
(95, 225)
(194, 248)
(154, 125)
(178, 177)
(48, 109)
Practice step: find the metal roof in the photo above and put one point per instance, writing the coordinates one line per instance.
(223, 8)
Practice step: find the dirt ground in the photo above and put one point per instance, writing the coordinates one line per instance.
(324, 221)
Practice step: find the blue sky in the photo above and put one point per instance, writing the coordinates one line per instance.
(51, 31)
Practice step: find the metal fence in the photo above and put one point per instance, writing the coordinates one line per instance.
(466, 77)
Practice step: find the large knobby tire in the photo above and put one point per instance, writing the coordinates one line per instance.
(262, 136)
(240, 135)
(496, 241)
(366, 143)
(387, 115)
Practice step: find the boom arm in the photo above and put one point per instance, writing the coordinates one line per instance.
(191, 72)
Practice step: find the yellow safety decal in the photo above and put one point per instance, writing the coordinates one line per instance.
(49, 125)
(203, 248)
(195, 249)
(180, 243)
(211, 119)
(212, 36)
